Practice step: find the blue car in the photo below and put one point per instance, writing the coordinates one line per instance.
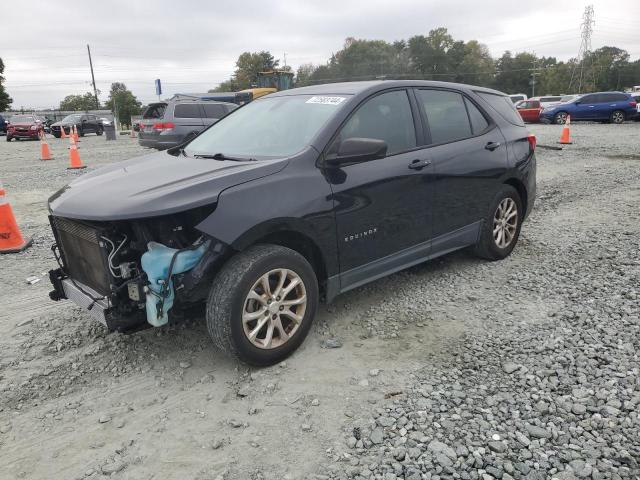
(614, 107)
(3, 126)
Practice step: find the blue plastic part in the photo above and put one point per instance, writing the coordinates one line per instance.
(155, 263)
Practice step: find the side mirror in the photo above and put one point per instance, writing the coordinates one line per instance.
(84, 120)
(356, 150)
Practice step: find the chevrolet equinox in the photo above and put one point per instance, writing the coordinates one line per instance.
(291, 199)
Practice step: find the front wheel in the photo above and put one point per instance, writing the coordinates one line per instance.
(81, 132)
(560, 118)
(8, 138)
(262, 303)
(501, 227)
(99, 131)
(617, 116)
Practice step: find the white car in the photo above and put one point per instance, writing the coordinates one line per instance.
(548, 101)
(517, 97)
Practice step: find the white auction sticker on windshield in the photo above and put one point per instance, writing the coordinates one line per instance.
(326, 100)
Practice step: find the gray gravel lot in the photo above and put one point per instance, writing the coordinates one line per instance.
(526, 368)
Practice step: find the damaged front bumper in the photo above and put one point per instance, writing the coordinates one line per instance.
(97, 306)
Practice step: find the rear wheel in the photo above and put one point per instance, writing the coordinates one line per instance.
(262, 303)
(501, 227)
(617, 116)
(560, 118)
(8, 138)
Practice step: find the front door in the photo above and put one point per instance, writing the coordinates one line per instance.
(382, 206)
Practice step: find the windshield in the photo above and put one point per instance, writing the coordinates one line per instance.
(22, 119)
(72, 118)
(268, 127)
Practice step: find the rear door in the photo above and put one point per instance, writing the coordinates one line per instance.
(188, 118)
(469, 155)
(212, 113)
(382, 206)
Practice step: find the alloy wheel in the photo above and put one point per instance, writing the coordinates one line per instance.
(274, 308)
(505, 222)
(617, 117)
(561, 118)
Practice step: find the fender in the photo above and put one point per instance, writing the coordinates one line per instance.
(299, 199)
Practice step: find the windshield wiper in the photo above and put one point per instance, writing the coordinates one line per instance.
(222, 156)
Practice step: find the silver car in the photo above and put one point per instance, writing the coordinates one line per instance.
(167, 124)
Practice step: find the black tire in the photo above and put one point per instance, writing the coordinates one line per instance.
(232, 284)
(99, 131)
(617, 117)
(487, 247)
(58, 135)
(81, 132)
(560, 118)
(8, 138)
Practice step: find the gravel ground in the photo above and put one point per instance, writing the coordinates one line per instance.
(525, 368)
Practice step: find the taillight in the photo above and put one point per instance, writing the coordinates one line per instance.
(632, 103)
(164, 126)
(532, 142)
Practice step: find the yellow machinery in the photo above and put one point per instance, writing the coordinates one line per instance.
(269, 82)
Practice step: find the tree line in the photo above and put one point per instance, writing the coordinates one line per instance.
(438, 56)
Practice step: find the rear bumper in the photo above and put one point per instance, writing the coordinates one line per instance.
(160, 144)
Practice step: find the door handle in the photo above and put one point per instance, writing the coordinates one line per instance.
(492, 146)
(419, 164)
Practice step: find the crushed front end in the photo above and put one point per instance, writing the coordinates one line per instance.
(132, 274)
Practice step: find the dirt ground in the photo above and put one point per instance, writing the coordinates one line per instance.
(76, 402)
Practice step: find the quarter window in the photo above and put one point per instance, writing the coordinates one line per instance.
(478, 122)
(385, 117)
(503, 106)
(446, 114)
(187, 110)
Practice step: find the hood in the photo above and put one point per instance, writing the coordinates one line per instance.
(154, 185)
(22, 124)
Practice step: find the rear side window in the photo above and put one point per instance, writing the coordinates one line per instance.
(187, 110)
(155, 111)
(385, 117)
(446, 115)
(550, 99)
(214, 110)
(504, 106)
(478, 122)
(617, 97)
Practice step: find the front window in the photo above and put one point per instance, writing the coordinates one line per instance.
(22, 119)
(268, 127)
(72, 118)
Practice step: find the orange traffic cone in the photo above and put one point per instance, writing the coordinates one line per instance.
(45, 154)
(63, 134)
(11, 240)
(565, 138)
(76, 138)
(74, 157)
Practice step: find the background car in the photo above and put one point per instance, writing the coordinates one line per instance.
(167, 124)
(84, 123)
(26, 126)
(518, 97)
(106, 121)
(636, 97)
(548, 101)
(529, 110)
(568, 98)
(614, 107)
(3, 126)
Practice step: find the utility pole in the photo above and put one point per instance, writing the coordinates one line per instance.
(93, 79)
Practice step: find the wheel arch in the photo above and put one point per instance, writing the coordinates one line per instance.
(290, 235)
(521, 189)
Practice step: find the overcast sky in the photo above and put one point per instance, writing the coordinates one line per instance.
(193, 45)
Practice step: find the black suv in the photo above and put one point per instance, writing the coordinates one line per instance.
(84, 123)
(292, 199)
